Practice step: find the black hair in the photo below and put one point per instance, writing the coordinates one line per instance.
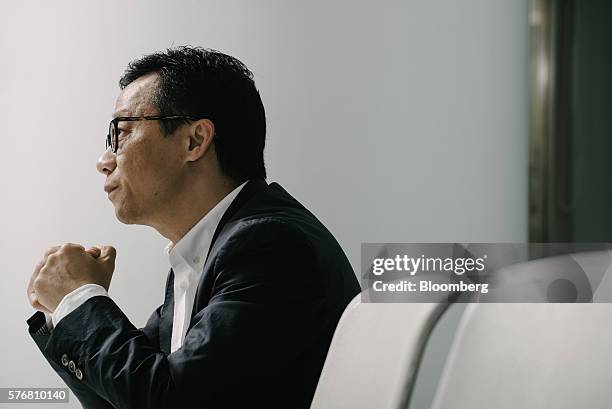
(206, 83)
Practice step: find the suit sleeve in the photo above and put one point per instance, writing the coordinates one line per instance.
(41, 334)
(151, 329)
(266, 301)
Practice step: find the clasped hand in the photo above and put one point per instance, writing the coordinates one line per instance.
(66, 268)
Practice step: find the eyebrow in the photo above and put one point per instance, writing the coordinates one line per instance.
(124, 111)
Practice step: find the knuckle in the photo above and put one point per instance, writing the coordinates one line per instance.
(38, 267)
(71, 247)
(42, 273)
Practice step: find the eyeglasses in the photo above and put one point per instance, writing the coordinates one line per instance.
(112, 139)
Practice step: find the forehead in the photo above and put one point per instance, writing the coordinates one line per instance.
(135, 99)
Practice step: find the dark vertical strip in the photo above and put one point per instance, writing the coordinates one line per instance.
(560, 204)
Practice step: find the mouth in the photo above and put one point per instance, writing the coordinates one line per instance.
(110, 189)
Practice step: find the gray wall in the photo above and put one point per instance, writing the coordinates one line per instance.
(393, 121)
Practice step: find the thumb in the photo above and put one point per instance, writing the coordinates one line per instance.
(107, 254)
(93, 251)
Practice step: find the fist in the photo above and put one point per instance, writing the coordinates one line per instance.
(66, 268)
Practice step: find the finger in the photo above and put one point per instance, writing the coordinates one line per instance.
(33, 297)
(42, 262)
(37, 305)
(108, 254)
(37, 268)
(30, 288)
(71, 246)
(94, 251)
(51, 250)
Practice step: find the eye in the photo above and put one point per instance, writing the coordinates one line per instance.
(124, 134)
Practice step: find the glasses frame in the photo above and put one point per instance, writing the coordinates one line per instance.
(114, 126)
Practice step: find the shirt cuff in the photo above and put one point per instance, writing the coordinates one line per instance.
(49, 319)
(75, 299)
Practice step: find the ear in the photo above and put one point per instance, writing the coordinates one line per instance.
(200, 137)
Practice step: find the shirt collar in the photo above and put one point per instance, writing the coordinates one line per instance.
(192, 248)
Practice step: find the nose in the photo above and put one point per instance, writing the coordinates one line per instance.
(107, 162)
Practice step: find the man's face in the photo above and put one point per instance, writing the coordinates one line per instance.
(144, 176)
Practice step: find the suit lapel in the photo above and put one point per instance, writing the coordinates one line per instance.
(227, 221)
(167, 313)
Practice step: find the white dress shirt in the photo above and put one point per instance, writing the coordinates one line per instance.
(187, 258)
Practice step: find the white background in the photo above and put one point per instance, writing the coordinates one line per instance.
(393, 121)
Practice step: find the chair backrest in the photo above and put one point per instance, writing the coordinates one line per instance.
(530, 356)
(504, 355)
(536, 355)
(374, 355)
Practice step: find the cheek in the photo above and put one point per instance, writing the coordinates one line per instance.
(135, 163)
(147, 174)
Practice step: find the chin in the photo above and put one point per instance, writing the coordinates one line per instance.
(128, 215)
(123, 216)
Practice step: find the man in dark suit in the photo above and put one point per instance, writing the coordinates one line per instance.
(257, 283)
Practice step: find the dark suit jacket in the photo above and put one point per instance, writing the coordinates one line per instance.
(272, 290)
